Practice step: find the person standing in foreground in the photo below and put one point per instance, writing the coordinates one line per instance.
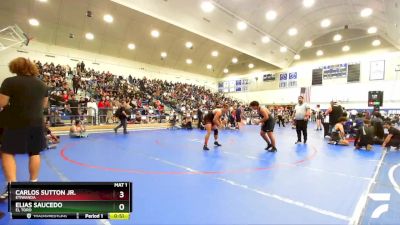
(335, 111)
(267, 126)
(212, 121)
(123, 117)
(22, 99)
(301, 116)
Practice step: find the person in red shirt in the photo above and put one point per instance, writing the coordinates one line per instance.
(102, 109)
(65, 96)
(108, 110)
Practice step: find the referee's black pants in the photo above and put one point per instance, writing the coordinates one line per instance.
(301, 126)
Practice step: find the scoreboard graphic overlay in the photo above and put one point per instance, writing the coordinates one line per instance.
(70, 200)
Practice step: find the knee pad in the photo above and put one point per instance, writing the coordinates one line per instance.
(216, 132)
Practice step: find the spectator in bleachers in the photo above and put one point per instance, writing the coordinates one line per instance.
(72, 107)
(92, 111)
(75, 84)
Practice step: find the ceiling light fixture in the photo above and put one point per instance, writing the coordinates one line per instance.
(155, 33)
(292, 31)
(234, 60)
(337, 37)
(209, 66)
(372, 30)
(308, 3)
(42, 0)
(214, 53)
(308, 44)
(346, 48)
(376, 43)
(283, 49)
(189, 61)
(241, 25)
(207, 6)
(251, 65)
(89, 36)
(320, 53)
(108, 18)
(366, 12)
(325, 23)
(189, 45)
(163, 55)
(131, 46)
(34, 22)
(265, 39)
(297, 57)
(226, 70)
(271, 15)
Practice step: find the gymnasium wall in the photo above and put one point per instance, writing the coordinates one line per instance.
(119, 66)
(351, 95)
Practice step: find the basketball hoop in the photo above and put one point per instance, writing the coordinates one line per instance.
(13, 36)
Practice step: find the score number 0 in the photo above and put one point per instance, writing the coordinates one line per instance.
(121, 195)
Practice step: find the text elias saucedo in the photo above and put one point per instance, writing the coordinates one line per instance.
(32, 194)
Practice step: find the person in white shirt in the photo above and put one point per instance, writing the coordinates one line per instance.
(92, 111)
(301, 116)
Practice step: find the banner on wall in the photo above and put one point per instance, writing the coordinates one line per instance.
(292, 79)
(283, 80)
(220, 86)
(269, 77)
(334, 71)
(233, 86)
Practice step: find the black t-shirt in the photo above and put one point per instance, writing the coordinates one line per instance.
(26, 101)
(73, 104)
(119, 113)
(395, 132)
(75, 81)
(336, 113)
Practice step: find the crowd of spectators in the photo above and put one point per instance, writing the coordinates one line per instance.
(81, 91)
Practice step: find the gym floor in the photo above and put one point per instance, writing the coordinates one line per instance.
(176, 182)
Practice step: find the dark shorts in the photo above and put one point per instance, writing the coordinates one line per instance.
(394, 142)
(29, 140)
(268, 126)
(209, 119)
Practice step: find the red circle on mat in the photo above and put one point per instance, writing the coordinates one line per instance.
(135, 171)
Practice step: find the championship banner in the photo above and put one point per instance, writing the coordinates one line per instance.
(292, 79)
(283, 80)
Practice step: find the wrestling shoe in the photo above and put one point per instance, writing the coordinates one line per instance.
(217, 144)
(273, 149)
(205, 148)
(297, 142)
(4, 196)
(268, 147)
